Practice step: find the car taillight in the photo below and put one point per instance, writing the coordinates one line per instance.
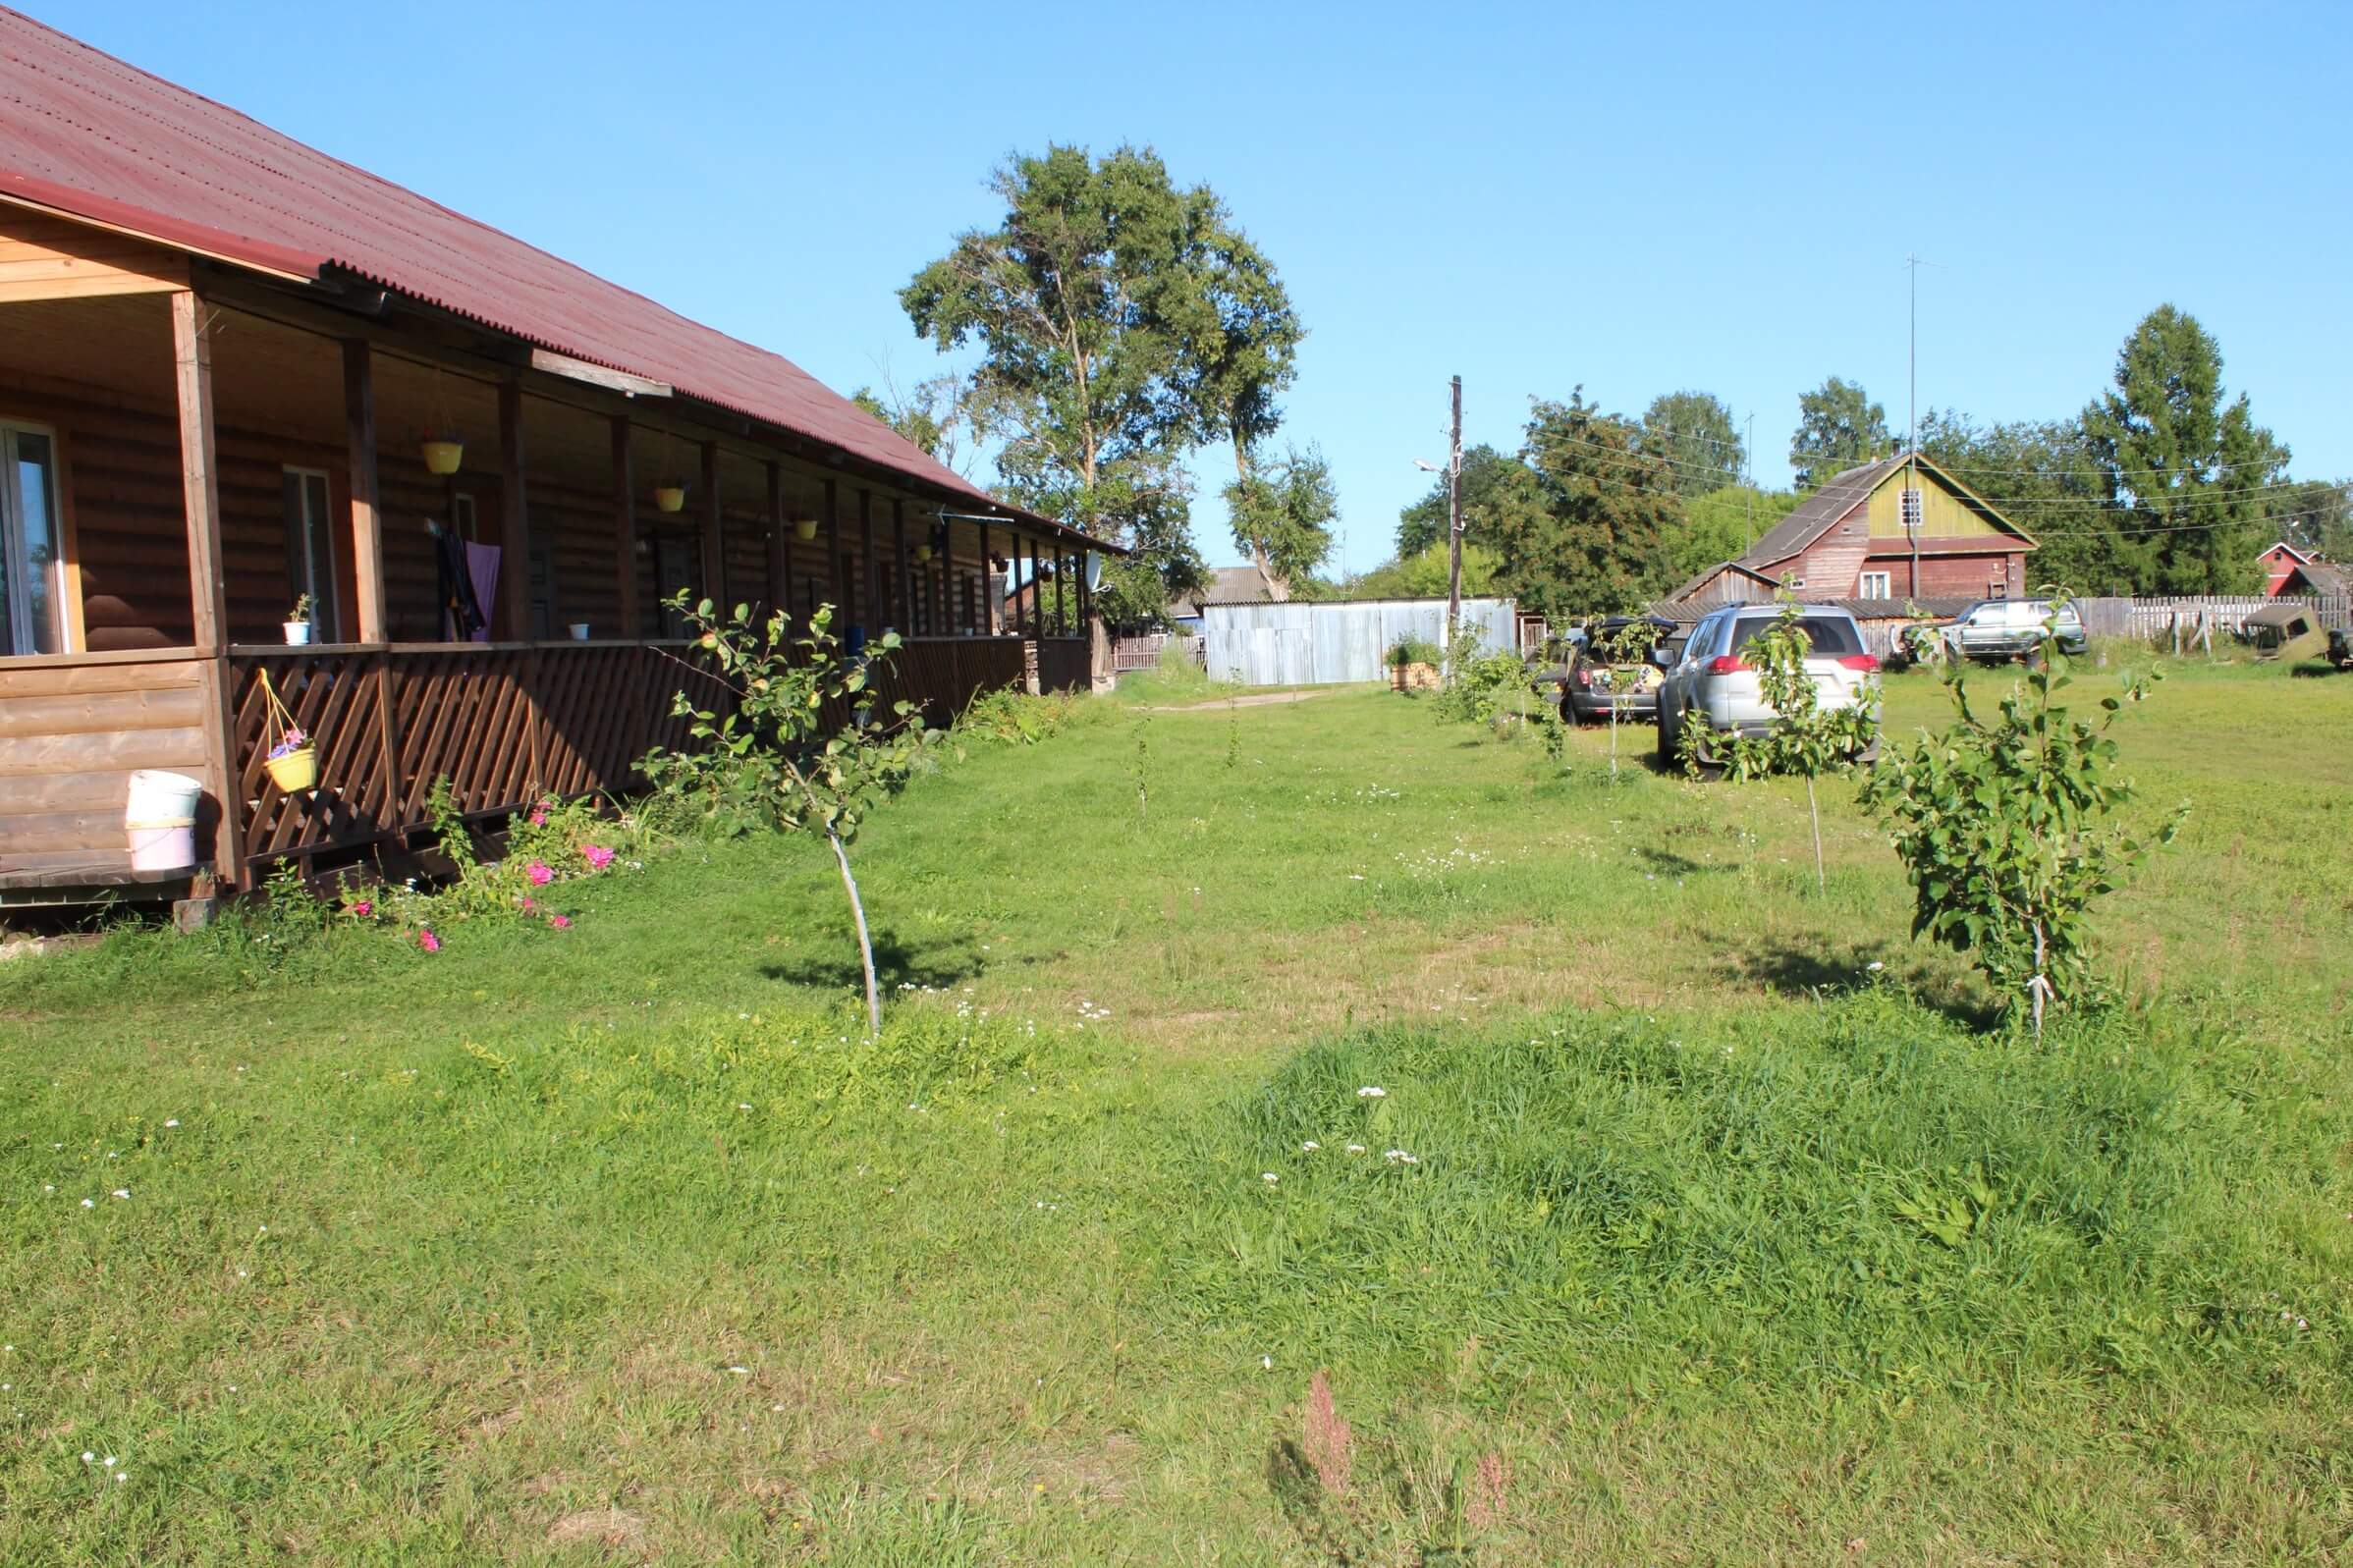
(1724, 663)
(1865, 661)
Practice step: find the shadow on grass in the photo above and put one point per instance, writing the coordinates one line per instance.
(937, 964)
(1836, 970)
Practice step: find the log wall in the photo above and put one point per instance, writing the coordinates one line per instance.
(73, 728)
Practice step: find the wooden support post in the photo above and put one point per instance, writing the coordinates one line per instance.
(207, 583)
(1062, 608)
(988, 590)
(834, 574)
(869, 569)
(1037, 594)
(625, 527)
(367, 498)
(907, 584)
(780, 546)
(714, 544)
(514, 520)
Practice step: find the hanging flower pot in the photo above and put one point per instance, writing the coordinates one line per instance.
(443, 454)
(296, 771)
(805, 529)
(923, 553)
(670, 497)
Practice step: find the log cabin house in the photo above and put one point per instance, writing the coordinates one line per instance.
(222, 353)
(1897, 528)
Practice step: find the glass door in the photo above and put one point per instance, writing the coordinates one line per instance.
(33, 569)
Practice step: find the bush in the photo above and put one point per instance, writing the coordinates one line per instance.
(1012, 716)
(1413, 651)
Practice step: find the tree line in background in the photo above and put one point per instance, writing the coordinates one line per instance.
(2163, 484)
(1122, 323)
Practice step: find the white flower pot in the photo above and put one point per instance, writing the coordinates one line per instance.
(579, 631)
(297, 632)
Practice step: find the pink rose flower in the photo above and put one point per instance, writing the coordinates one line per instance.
(559, 922)
(540, 873)
(427, 941)
(598, 855)
(530, 904)
(362, 908)
(538, 819)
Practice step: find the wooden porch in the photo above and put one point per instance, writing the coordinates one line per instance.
(217, 445)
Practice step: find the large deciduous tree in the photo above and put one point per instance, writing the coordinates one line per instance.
(1282, 513)
(1070, 300)
(932, 415)
(1720, 525)
(1693, 434)
(2040, 474)
(2186, 472)
(1599, 536)
(1839, 427)
(1493, 485)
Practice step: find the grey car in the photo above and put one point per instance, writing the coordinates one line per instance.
(1713, 687)
(1993, 630)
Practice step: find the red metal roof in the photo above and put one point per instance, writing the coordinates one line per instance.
(89, 136)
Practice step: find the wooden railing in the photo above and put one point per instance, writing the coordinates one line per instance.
(505, 722)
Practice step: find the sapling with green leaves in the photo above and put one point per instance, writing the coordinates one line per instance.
(2002, 826)
(822, 773)
(1805, 737)
(1139, 772)
(1619, 657)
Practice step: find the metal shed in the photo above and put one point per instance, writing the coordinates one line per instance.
(1329, 642)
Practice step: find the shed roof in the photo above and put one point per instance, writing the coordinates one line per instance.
(1225, 585)
(89, 135)
(2319, 576)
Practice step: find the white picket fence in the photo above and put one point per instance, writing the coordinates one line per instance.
(2158, 618)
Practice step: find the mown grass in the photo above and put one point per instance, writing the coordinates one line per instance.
(1716, 1246)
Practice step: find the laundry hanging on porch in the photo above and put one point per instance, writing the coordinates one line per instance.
(481, 571)
(461, 617)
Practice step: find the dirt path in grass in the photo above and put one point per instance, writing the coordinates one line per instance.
(1255, 700)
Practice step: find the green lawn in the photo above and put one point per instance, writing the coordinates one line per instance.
(1715, 1244)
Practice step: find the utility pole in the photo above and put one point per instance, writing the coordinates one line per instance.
(1912, 505)
(1748, 461)
(1454, 529)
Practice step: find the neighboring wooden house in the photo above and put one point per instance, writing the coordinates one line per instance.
(2312, 575)
(221, 355)
(2280, 564)
(1898, 528)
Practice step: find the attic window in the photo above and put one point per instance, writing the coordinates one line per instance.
(1911, 509)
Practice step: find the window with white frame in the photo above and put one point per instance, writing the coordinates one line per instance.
(32, 566)
(1876, 586)
(311, 547)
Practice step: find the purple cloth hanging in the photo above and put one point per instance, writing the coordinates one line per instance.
(481, 569)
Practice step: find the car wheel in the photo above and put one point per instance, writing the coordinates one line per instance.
(1670, 734)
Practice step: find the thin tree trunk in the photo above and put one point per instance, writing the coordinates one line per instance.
(857, 912)
(1814, 810)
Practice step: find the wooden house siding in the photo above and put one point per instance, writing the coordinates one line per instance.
(72, 730)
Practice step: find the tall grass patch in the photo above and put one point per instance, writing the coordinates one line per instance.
(1850, 1197)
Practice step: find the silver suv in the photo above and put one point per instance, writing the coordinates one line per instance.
(1711, 685)
(1994, 630)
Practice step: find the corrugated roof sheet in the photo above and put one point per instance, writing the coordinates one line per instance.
(88, 134)
(1815, 516)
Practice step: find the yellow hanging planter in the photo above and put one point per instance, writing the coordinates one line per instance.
(669, 498)
(443, 456)
(297, 771)
(805, 529)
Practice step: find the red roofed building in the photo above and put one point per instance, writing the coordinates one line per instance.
(235, 372)
(2279, 565)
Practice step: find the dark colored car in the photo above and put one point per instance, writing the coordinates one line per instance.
(2340, 649)
(1628, 678)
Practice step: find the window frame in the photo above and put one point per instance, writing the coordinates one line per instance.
(15, 548)
(319, 579)
(1887, 585)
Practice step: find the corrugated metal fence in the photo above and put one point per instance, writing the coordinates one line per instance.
(1324, 643)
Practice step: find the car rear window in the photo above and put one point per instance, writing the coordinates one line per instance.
(1829, 635)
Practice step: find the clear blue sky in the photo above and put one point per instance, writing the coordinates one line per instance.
(1634, 198)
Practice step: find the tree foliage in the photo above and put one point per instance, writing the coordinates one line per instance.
(1424, 575)
(2184, 470)
(933, 415)
(1120, 321)
(1493, 486)
(2041, 475)
(1805, 738)
(1720, 525)
(1283, 513)
(1839, 427)
(1693, 433)
(785, 737)
(1599, 535)
(2002, 825)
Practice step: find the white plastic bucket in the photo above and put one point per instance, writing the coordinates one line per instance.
(165, 846)
(161, 817)
(160, 800)
(579, 632)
